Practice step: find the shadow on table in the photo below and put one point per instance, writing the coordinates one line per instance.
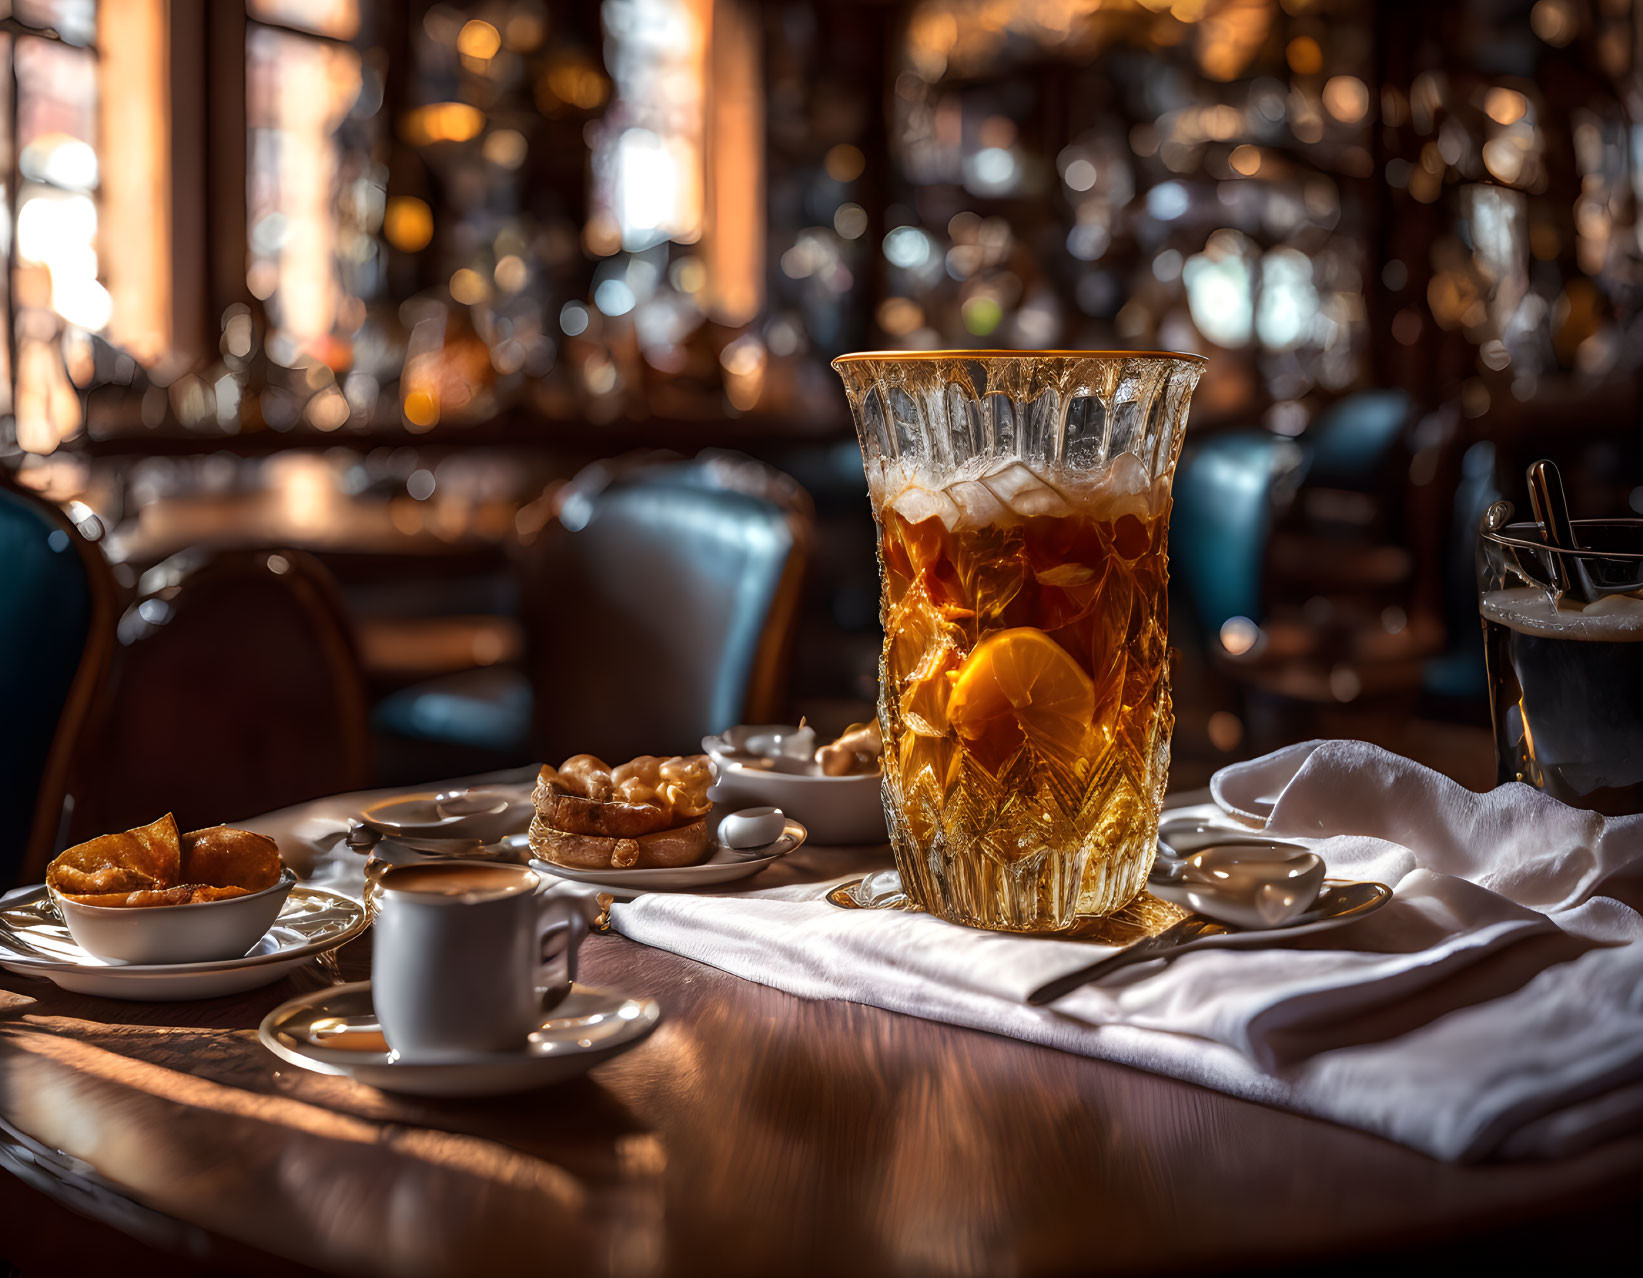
(577, 1124)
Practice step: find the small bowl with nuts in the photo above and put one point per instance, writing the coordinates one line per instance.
(831, 787)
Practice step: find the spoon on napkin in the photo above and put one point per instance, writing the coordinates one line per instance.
(1236, 888)
(1247, 883)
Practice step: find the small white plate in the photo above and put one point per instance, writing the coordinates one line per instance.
(587, 1027)
(485, 813)
(34, 941)
(723, 865)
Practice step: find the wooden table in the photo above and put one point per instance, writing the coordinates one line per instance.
(755, 1133)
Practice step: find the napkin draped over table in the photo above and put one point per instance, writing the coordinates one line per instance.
(1494, 1008)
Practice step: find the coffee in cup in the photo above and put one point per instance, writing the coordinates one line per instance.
(468, 957)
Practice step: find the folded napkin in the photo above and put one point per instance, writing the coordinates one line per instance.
(1493, 1009)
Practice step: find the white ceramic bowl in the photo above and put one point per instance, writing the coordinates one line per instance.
(199, 933)
(833, 809)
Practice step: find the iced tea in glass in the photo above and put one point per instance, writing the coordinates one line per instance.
(1022, 502)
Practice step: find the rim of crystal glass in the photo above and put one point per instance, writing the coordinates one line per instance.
(856, 357)
(1530, 540)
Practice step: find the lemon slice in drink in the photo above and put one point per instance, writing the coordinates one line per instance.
(1021, 679)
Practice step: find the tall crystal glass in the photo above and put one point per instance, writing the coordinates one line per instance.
(1022, 501)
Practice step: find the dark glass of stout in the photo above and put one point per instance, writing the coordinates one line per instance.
(1563, 637)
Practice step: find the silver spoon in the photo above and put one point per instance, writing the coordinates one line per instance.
(1338, 905)
(1557, 530)
(1248, 883)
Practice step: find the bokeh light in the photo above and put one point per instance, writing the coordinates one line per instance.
(478, 39)
(408, 223)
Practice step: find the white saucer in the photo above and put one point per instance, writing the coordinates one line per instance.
(486, 813)
(35, 942)
(723, 865)
(587, 1027)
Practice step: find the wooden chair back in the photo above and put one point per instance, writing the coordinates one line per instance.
(236, 690)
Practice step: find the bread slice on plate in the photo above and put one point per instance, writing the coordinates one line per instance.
(660, 849)
(649, 813)
(576, 815)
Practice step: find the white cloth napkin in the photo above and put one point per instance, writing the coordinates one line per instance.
(1493, 1009)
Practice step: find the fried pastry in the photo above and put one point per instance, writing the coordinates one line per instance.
(662, 849)
(153, 865)
(645, 813)
(182, 894)
(587, 816)
(146, 857)
(855, 753)
(224, 857)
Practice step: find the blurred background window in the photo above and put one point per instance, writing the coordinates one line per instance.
(674, 210)
(51, 217)
(345, 261)
(314, 198)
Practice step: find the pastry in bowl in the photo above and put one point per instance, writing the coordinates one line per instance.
(648, 813)
(152, 895)
(155, 865)
(137, 860)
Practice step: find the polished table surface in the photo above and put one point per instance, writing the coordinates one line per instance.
(754, 1133)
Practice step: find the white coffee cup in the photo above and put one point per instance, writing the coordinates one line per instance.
(468, 956)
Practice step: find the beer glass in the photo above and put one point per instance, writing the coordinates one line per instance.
(1563, 640)
(1022, 501)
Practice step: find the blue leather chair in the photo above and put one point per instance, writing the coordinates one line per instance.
(487, 710)
(1226, 490)
(56, 634)
(1353, 440)
(659, 607)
